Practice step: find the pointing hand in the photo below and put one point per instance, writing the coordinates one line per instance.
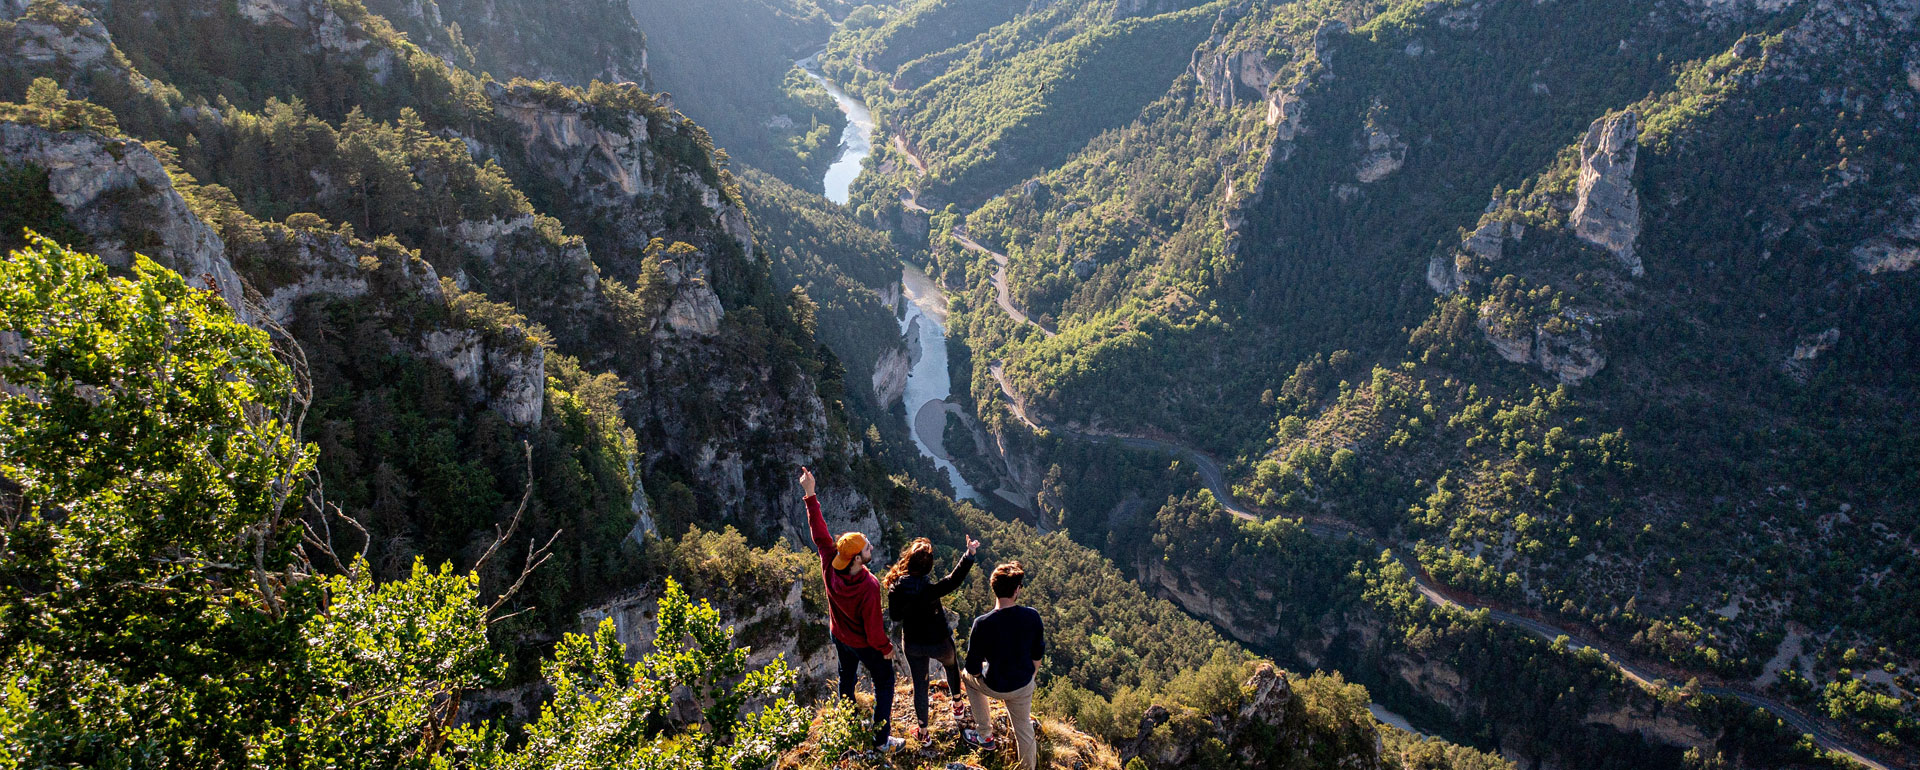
(806, 481)
(972, 545)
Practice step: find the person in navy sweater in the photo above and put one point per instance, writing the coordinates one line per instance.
(1003, 659)
(853, 598)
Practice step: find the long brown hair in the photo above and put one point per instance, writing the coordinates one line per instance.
(917, 560)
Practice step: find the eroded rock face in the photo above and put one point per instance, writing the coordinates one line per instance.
(1383, 154)
(694, 309)
(1229, 77)
(1896, 250)
(510, 379)
(1224, 612)
(329, 32)
(1608, 212)
(116, 192)
(1799, 363)
(1487, 244)
(42, 44)
(890, 375)
(1571, 353)
(333, 265)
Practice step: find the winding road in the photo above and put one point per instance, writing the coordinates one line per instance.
(1004, 297)
(1214, 477)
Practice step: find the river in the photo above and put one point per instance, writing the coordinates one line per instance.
(929, 382)
(924, 320)
(856, 141)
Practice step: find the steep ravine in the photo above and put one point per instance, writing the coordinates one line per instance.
(1212, 475)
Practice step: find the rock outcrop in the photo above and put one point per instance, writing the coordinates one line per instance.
(71, 46)
(1382, 153)
(1608, 212)
(327, 31)
(116, 192)
(1229, 77)
(1228, 613)
(1447, 271)
(890, 375)
(509, 378)
(1566, 347)
(1799, 363)
(1896, 250)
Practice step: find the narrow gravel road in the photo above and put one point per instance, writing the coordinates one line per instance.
(1214, 477)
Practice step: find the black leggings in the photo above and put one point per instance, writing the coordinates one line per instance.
(878, 666)
(919, 664)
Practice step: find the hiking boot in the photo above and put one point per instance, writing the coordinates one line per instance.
(973, 736)
(892, 745)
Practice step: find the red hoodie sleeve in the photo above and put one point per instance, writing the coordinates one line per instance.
(822, 539)
(876, 627)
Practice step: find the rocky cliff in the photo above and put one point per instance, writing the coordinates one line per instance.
(565, 41)
(1608, 212)
(116, 192)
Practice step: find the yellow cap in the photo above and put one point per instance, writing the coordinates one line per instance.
(850, 545)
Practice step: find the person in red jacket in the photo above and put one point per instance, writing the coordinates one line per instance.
(853, 598)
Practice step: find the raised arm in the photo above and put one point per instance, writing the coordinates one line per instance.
(959, 574)
(953, 580)
(816, 524)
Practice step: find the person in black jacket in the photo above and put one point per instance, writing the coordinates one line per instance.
(914, 603)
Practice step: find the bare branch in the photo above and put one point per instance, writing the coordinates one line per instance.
(526, 495)
(535, 558)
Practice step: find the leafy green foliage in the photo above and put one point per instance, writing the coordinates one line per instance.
(160, 604)
(608, 713)
(50, 107)
(148, 470)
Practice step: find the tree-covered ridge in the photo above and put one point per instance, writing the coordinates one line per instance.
(179, 593)
(730, 65)
(984, 112)
(413, 380)
(573, 41)
(1739, 407)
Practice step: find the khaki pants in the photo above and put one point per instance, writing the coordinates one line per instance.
(1019, 708)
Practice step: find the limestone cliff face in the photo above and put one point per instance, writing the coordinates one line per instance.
(511, 379)
(44, 45)
(1382, 153)
(328, 33)
(890, 375)
(1608, 212)
(1227, 612)
(1567, 347)
(1448, 271)
(1229, 77)
(1895, 250)
(116, 192)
